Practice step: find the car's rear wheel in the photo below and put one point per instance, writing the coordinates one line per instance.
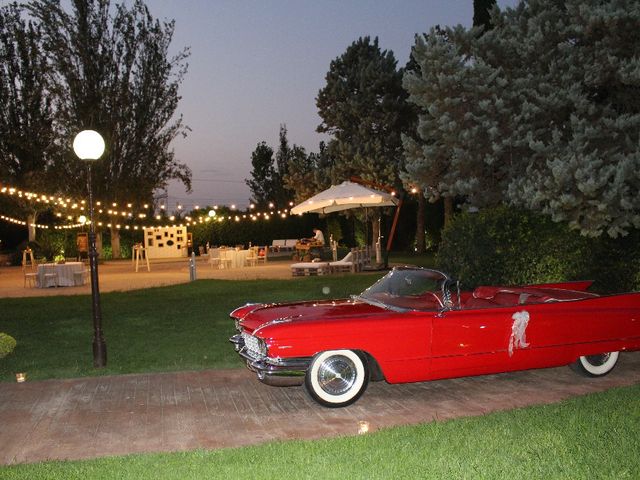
(595, 365)
(337, 378)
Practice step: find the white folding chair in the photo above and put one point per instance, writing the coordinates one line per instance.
(262, 253)
(50, 274)
(252, 257)
(214, 257)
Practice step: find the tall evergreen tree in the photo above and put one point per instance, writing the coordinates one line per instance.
(541, 111)
(413, 140)
(482, 13)
(263, 175)
(270, 180)
(457, 123)
(281, 192)
(576, 117)
(411, 131)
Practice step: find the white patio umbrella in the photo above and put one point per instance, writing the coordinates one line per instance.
(343, 197)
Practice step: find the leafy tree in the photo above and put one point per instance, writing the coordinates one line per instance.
(263, 175)
(28, 153)
(113, 74)
(308, 174)
(541, 111)
(363, 106)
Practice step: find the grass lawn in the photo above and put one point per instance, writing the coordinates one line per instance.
(182, 327)
(595, 436)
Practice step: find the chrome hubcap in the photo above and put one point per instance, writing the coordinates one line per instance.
(337, 375)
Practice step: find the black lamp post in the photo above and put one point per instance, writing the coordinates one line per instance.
(89, 145)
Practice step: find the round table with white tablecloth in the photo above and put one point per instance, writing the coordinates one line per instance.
(234, 258)
(68, 274)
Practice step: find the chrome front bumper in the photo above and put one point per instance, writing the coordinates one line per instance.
(279, 372)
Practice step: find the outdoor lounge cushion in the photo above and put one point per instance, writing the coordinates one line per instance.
(346, 264)
(346, 260)
(310, 268)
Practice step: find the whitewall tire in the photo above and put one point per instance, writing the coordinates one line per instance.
(337, 378)
(595, 365)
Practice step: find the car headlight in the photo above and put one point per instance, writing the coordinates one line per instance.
(262, 346)
(255, 345)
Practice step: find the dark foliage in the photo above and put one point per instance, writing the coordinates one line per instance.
(259, 232)
(511, 247)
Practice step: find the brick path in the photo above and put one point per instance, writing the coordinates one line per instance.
(114, 415)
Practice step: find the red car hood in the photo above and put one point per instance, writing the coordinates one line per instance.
(255, 316)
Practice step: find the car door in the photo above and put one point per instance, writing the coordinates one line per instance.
(477, 341)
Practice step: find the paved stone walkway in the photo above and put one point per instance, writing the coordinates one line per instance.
(115, 415)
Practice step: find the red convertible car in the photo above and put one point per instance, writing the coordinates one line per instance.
(415, 324)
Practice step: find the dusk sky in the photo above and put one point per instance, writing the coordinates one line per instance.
(257, 64)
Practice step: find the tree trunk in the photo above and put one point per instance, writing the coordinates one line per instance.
(115, 242)
(448, 210)
(375, 232)
(31, 221)
(421, 244)
(99, 243)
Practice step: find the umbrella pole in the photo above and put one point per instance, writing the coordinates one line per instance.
(366, 227)
(379, 243)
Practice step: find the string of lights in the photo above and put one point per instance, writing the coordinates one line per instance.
(68, 203)
(128, 219)
(20, 222)
(122, 219)
(187, 221)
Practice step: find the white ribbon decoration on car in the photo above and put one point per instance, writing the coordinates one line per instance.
(518, 337)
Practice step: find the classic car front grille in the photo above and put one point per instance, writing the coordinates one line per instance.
(254, 345)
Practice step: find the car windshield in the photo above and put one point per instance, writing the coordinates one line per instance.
(405, 288)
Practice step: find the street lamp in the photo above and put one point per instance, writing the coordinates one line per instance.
(89, 145)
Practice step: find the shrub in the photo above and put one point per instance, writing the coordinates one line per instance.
(107, 253)
(333, 229)
(7, 344)
(509, 246)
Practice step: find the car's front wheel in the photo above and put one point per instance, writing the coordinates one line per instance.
(595, 365)
(337, 378)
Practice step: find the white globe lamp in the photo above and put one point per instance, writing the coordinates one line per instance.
(89, 145)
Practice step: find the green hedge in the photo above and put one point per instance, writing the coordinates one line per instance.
(511, 247)
(259, 232)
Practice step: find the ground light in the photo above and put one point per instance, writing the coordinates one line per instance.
(89, 145)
